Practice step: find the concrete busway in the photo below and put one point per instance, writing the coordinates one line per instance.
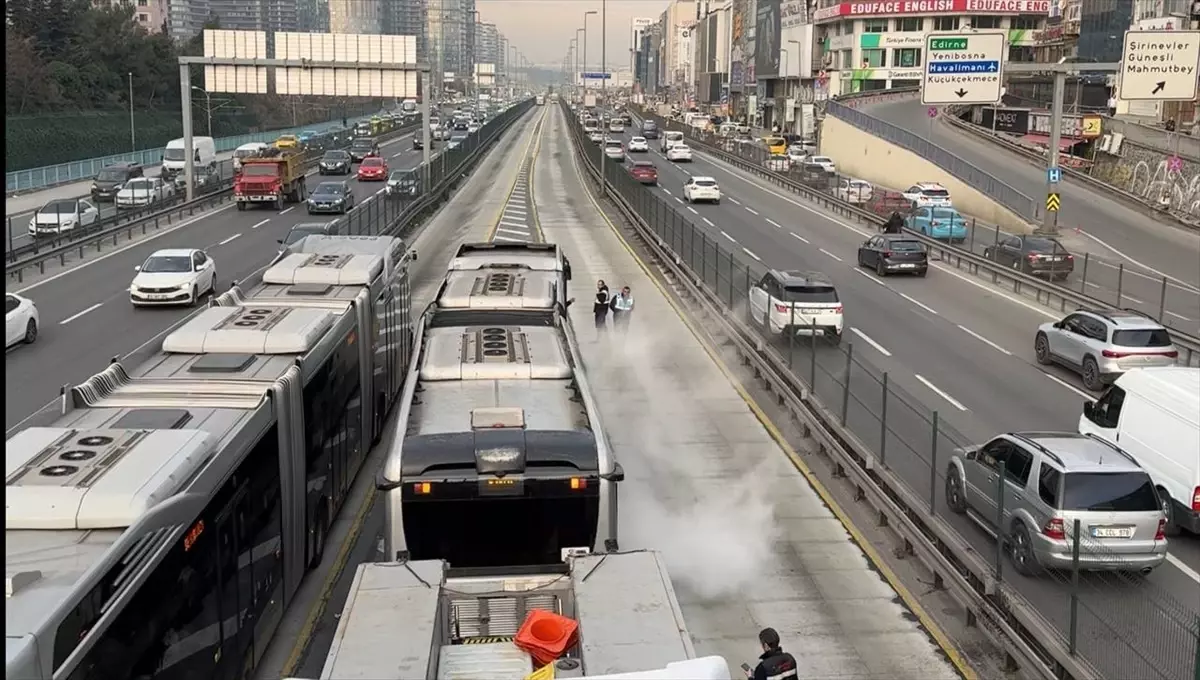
(1100, 272)
(303, 639)
(86, 316)
(953, 345)
(1107, 227)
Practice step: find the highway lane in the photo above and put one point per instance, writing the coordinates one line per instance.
(85, 312)
(1106, 223)
(970, 344)
(748, 542)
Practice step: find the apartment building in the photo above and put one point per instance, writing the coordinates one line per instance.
(186, 18)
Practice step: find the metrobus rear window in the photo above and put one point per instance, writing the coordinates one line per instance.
(810, 294)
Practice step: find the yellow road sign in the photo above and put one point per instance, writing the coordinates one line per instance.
(1053, 202)
(1091, 126)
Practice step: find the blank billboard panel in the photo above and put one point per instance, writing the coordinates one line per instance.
(485, 69)
(348, 82)
(390, 50)
(235, 45)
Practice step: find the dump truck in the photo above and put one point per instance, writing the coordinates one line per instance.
(617, 614)
(275, 179)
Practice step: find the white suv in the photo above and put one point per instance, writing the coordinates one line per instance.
(702, 189)
(928, 195)
(670, 139)
(797, 302)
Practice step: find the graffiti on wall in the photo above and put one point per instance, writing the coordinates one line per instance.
(1148, 175)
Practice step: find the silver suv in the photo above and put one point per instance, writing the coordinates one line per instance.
(1052, 479)
(1100, 345)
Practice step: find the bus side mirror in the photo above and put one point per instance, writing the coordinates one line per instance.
(567, 269)
(414, 255)
(569, 302)
(618, 473)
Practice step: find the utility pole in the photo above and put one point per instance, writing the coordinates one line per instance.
(603, 80)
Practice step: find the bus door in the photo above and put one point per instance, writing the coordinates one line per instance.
(235, 575)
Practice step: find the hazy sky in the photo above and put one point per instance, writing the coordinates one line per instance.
(542, 29)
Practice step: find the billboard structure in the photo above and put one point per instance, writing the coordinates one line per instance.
(485, 75)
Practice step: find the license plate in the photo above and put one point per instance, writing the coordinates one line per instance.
(156, 296)
(1112, 532)
(907, 266)
(812, 312)
(1056, 259)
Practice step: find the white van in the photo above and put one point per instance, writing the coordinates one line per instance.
(1154, 415)
(173, 159)
(248, 151)
(670, 139)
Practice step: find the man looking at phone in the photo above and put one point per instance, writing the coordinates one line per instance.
(773, 663)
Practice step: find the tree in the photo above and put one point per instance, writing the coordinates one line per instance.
(25, 81)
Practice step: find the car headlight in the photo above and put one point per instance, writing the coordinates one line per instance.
(33, 223)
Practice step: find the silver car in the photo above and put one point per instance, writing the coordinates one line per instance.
(1051, 480)
(1100, 345)
(614, 150)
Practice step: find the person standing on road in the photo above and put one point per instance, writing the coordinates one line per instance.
(622, 307)
(600, 306)
(773, 663)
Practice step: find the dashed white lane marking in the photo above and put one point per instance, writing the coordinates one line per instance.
(1187, 571)
(870, 341)
(1177, 316)
(694, 211)
(261, 223)
(752, 211)
(773, 223)
(870, 278)
(1171, 279)
(1124, 296)
(76, 315)
(751, 253)
(678, 200)
(708, 221)
(830, 254)
(287, 210)
(938, 391)
(984, 340)
(1069, 386)
(731, 239)
(735, 201)
(231, 239)
(918, 303)
(798, 237)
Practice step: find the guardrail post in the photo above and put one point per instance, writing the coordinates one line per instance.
(812, 358)
(1120, 282)
(846, 387)
(933, 467)
(1162, 312)
(971, 244)
(1073, 632)
(1001, 534)
(732, 262)
(1087, 257)
(791, 324)
(883, 421)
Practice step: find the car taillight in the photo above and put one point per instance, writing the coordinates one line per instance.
(1196, 500)
(1112, 354)
(837, 310)
(887, 253)
(783, 308)
(1033, 256)
(1070, 257)
(1161, 533)
(1055, 529)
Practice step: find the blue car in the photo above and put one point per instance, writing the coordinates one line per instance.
(944, 224)
(307, 136)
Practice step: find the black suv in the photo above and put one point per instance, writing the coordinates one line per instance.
(335, 162)
(110, 180)
(649, 129)
(363, 148)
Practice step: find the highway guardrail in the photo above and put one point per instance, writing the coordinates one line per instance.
(117, 225)
(1047, 293)
(893, 452)
(35, 179)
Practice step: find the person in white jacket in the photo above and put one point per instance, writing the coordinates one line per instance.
(622, 308)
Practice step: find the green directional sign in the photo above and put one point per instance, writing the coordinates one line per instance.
(947, 43)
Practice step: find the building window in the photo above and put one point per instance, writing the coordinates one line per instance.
(875, 26)
(907, 57)
(143, 3)
(945, 23)
(143, 18)
(909, 25)
(1022, 53)
(1026, 21)
(847, 60)
(874, 58)
(985, 22)
(871, 85)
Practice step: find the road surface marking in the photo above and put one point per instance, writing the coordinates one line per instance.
(76, 315)
(830, 254)
(231, 239)
(1187, 571)
(731, 239)
(505, 238)
(735, 201)
(287, 210)
(870, 278)
(1178, 283)
(514, 231)
(984, 340)
(667, 191)
(918, 303)
(773, 223)
(261, 223)
(678, 200)
(751, 253)
(953, 402)
(511, 223)
(1124, 296)
(1177, 316)
(708, 222)
(798, 237)
(752, 211)
(880, 348)
(694, 212)
(513, 208)
(1069, 386)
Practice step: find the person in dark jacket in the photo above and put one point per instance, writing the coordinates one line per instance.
(773, 663)
(894, 224)
(600, 306)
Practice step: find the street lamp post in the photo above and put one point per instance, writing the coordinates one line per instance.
(208, 107)
(582, 75)
(132, 133)
(579, 59)
(785, 87)
(603, 79)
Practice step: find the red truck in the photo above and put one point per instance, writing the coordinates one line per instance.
(271, 179)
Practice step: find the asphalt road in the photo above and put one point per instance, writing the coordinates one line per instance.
(955, 345)
(1107, 228)
(86, 316)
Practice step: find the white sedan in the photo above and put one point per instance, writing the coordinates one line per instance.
(595, 137)
(702, 189)
(638, 144)
(778, 163)
(174, 276)
(679, 152)
(825, 162)
(144, 191)
(59, 217)
(20, 320)
(472, 128)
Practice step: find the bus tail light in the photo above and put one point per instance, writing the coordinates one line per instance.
(578, 484)
(422, 488)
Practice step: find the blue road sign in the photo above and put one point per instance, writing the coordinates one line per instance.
(944, 67)
(595, 75)
(1054, 175)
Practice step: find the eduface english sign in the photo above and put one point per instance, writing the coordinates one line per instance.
(902, 7)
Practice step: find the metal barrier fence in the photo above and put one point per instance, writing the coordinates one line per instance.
(1123, 624)
(77, 171)
(982, 180)
(1093, 274)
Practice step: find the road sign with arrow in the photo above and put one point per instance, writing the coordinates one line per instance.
(963, 69)
(1053, 202)
(1160, 66)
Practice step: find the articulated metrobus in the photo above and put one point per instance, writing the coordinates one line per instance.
(161, 526)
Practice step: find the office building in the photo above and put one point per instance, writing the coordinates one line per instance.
(405, 17)
(450, 27)
(186, 18)
(313, 16)
(149, 14)
(354, 16)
